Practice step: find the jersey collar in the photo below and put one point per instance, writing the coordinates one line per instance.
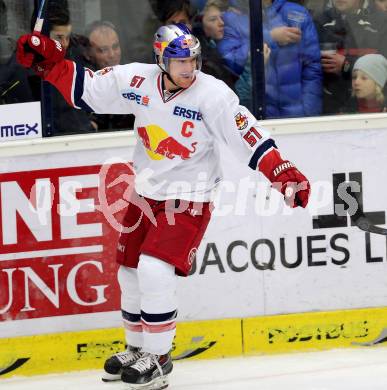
(171, 96)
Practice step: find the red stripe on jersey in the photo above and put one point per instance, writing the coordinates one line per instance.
(159, 86)
(132, 327)
(158, 328)
(178, 93)
(182, 90)
(62, 77)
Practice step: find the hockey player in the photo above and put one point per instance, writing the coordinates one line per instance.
(181, 115)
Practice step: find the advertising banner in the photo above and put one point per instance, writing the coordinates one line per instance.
(20, 121)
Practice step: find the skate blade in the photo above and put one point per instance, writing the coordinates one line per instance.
(106, 377)
(156, 384)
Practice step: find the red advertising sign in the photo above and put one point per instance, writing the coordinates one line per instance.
(58, 235)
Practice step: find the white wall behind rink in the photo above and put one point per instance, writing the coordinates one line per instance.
(250, 264)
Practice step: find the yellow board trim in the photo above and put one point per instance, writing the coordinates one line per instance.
(74, 351)
(314, 331)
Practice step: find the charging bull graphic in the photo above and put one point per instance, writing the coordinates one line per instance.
(170, 148)
(159, 144)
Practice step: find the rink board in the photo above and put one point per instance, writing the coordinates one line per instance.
(58, 269)
(85, 350)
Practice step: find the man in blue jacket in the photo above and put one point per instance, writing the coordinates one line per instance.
(293, 73)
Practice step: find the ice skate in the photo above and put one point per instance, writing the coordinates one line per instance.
(116, 363)
(150, 372)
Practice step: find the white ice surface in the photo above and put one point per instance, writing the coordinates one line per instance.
(351, 369)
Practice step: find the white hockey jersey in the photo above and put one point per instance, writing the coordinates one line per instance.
(177, 154)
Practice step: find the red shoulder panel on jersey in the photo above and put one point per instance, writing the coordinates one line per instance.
(68, 77)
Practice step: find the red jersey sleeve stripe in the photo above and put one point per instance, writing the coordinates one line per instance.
(69, 78)
(62, 76)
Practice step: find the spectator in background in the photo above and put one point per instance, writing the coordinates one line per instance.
(65, 119)
(235, 46)
(103, 51)
(209, 29)
(104, 47)
(293, 72)
(174, 11)
(212, 19)
(60, 26)
(353, 30)
(14, 80)
(369, 77)
(380, 5)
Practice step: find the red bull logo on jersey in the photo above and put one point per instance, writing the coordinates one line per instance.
(241, 121)
(160, 145)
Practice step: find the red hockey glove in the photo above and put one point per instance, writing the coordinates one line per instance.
(286, 178)
(38, 52)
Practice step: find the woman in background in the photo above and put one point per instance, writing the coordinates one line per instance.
(209, 28)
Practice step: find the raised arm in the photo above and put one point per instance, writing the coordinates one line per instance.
(91, 91)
